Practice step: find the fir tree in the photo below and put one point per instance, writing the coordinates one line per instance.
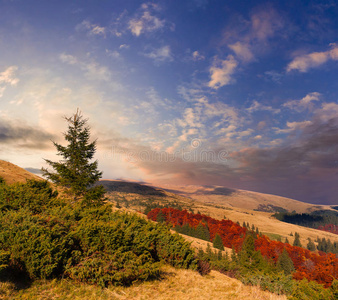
(75, 171)
(217, 242)
(297, 242)
(311, 245)
(285, 263)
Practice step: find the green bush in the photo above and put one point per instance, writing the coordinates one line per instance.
(48, 237)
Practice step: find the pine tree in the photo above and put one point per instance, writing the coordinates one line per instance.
(76, 172)
(285, 263)
(311, 245)
(297, 242)
(217, 242)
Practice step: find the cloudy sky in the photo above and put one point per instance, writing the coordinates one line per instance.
(241, 94)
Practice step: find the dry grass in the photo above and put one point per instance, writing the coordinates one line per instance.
(12, 173)
(176, 284)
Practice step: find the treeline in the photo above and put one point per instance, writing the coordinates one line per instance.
(249, 266)
(322, 219)
(321, 267)
(44, 236)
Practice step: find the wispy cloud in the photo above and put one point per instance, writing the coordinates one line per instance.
(242, 51)
(92, 29)
(161, 54)
(196, 56)
(303, 63)
(8, 77)
(256, 106)
(221, 72)
(146, 21)
(304, 103)
(93, 70)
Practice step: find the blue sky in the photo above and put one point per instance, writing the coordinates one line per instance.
(241, 94)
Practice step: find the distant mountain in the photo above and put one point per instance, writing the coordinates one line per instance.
(219, 195)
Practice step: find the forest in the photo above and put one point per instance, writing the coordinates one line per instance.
(320, 267)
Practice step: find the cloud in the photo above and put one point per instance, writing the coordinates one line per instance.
(242, 51)
(305, 62)
(145, 22)
(22, 135)
(256, 106)
(304, 103)
(92, 69)
(8, 77)
(221, 72)
(92, 29)
(292, 126)
(161, 54)
(196, 56)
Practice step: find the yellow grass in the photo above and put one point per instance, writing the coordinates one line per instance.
(12, 173)
(176, 284)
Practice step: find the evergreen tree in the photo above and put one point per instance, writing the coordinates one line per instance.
(217, 242)
(285, 263)
(75, 171)
(311, 245)
(297, 242)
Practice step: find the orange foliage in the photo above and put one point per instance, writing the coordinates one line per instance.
(320, 267)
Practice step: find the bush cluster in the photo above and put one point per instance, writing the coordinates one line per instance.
(45, 236)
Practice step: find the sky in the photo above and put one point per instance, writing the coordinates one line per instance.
(241, 94)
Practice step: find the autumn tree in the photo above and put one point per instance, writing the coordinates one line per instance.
(76, 171)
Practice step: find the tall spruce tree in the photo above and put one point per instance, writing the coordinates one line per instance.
(76, 171)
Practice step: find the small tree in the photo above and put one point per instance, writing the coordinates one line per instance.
(76, 172)
(285, 263)
(217, 242)
(297, 242)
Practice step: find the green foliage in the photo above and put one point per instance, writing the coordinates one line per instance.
(311, 245)
(304, 290)
(274, 282)
(76, 171)
(297, 242)
(217, 242)
(200, 232)
(285, 263)
(47, 237)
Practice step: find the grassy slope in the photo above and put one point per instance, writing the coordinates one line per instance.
(12, 173)
(176, 284)
(263, 220)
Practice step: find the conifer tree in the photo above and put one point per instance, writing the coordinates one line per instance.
(297, 242)
(75, 171)
(285, 263)
(311, 245)
(217, 242)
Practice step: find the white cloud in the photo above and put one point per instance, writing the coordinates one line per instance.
(92, 29)
(304, 103)
(146, 22)
(242, 51)
(161, 54)
(292, 126)
(8, 77)
(221, 72)
(197, 56)
(92, 69)
(303, 63)
(256, 106)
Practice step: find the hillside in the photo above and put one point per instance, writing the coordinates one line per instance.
(218, 195)
(12, 173)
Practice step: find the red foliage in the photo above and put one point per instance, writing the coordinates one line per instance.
(321, 267)
(330, 228)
